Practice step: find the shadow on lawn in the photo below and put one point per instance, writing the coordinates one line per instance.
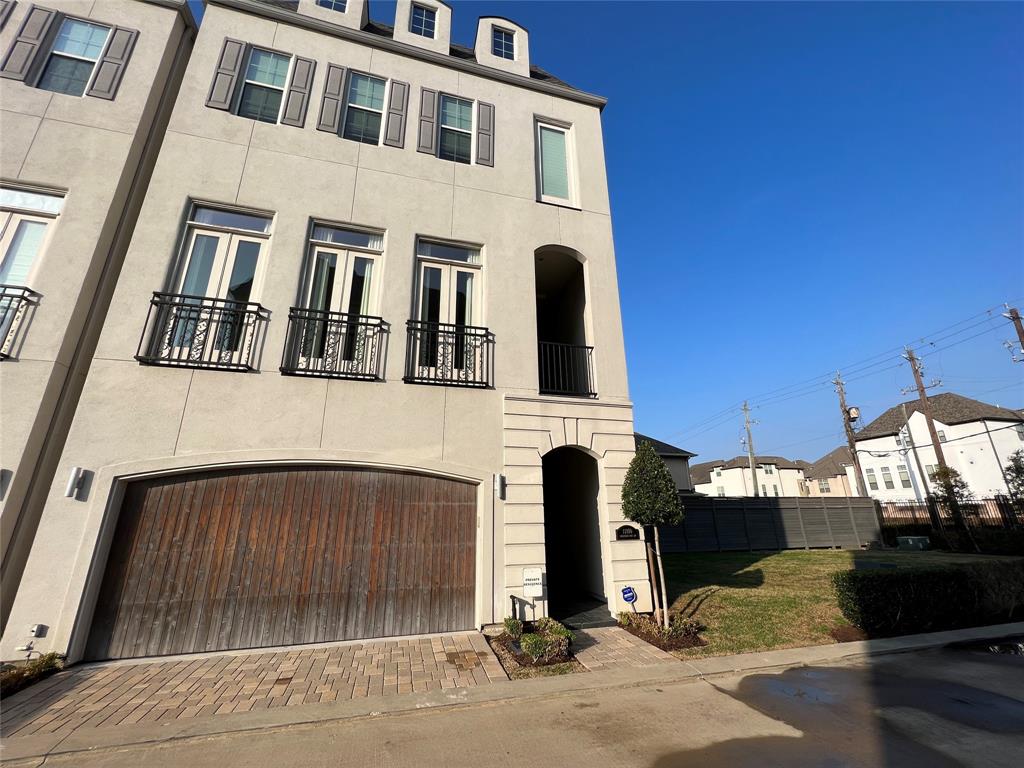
(706, 574)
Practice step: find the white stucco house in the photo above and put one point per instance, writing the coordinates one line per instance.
(977, 439)
(773, 476)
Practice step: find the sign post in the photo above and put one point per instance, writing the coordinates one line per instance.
(629, 595)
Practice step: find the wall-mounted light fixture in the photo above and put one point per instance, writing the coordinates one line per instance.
(499, 486)
(75, 482)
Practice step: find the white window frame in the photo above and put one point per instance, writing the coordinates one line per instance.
(904, 474)
(246, 81)
(823, 485)
(412, 17)
(887, 481)
(941, 433)
(721, 490)
(383, 110)
(346, 252)
(872, 479)
(453, 268)
(332, 7)
(570, 160)
(515, 45)
(12, 215)
(92, 75)
(441, 127)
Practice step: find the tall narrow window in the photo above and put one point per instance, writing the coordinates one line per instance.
(423, 20)
(73, 58)
(721, 490)
(365, 108)
(942, 436)
(456, 129)
(448, 295)
(887, 478)
(503, 43)
(553, 154)
(263, 91)
(24, 217)
(901, 469)
(872, 480)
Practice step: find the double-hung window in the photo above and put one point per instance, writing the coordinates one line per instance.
(456, 140)
(823, 485)
(901, 469)
(503, 43)
(555, 180)
(365, 108)
(72, 62)
(423, 21)
(942, 435)
(24, 220)
(887, 478)
(721, 490)
(266, 76)
(872, 480)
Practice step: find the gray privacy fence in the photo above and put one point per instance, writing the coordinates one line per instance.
(716, 524)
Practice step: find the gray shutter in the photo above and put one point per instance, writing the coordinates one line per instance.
(427, 139)
(398, 104)
(330, 105)
(485, 134)
(296, 100)
(110, 68)
(6, 6)
(227, 76)
(28, 50)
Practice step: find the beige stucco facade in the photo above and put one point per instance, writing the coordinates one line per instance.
(95, 154)
(140, 420)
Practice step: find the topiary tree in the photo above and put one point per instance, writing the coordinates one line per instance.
(1014, 471)
(649, 497)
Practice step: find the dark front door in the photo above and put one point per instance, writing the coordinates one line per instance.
(253, 558)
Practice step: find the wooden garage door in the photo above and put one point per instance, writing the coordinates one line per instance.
(278, 556)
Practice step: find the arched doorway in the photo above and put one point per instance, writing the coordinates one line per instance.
(572, 539)
(564, 360)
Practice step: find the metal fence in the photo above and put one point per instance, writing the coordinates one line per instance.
(335, 345)
(916, 518)
(566, 369)
(454, 355)
(713, 524)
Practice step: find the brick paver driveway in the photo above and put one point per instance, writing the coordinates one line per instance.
(615, 648)
(121, 693)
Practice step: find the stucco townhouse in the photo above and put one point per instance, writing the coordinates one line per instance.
(362, 372)
(772, 476)
(85, 93)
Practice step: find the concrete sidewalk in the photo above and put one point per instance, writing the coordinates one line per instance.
(669, 672)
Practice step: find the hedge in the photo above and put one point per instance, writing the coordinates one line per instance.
(901, 601)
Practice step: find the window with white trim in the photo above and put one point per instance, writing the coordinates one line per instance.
(423, 21)
(72, 62)
(764, 490)
(333, 5)
(503, 43)
(556, 182)
(942, 436)
(823, 485)
(721, 490)
(364, 110)
(887, 478)
(456, 133)
(266, 77)
(718, 472)
(929, 469)
(776, 489)
(901, 470)
(448, 293)
(872, 480)
(25, 219)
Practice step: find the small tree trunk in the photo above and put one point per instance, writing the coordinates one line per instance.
(661, 573)
(652, 574)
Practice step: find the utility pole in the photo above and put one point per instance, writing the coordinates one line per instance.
(850, 441)
(1014, 315)
(750, 446)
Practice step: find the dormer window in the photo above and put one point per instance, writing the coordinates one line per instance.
(503, 43)
(333, 5)
(423, 21)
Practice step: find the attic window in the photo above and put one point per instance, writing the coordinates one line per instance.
(503, 43)
(333, 5)
(423, 21)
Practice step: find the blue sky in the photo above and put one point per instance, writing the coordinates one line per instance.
(799, 187)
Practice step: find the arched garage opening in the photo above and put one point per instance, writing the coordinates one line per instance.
(572, 538)
(284, 555)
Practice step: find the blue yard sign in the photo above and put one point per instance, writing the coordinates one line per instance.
(629, 595)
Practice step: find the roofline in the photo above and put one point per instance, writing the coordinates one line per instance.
(404, 49)
(182, 7)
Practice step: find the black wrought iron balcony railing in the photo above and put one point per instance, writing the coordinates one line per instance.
(15, 301)
(335, 345)
(202, 332)
(454, 355)
(566, 369)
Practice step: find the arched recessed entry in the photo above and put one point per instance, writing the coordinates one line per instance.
(572, 538)
(565, 363)
(283, 555)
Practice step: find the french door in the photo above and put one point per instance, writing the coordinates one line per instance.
(447, 303)
(341, 293)
(219, 279)
(21, 240)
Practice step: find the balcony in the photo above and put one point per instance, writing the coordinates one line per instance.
(451, 355)
(202, 332)
(566, 369)
(15, 301)
(335, 345)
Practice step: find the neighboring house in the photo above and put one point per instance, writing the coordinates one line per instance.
(832, 474)
(322, 406)
(676, 459)
(86, 90)
(977, 439)
(774, 476)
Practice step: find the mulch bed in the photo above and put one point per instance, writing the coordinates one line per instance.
(848, 634)
(519, 666)
(666, 643)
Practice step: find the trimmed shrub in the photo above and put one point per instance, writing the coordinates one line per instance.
(535, 646)
(513, 627)
(906, 600)
(14, 677)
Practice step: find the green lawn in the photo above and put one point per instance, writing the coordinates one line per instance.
(754, 601)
